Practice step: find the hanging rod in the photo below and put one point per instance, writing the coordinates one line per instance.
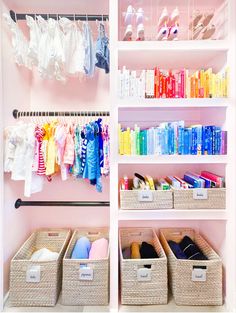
(20, 203)
(81, 17)
(16, 114)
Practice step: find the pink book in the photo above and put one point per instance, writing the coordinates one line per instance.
(182, 83)
(215, 178)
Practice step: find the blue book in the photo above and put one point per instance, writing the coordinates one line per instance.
(203, 139)
(194, 141)
(181, 140)
(217, 135)
(207, 182)
(199, 139)
(208, 140)
(195, 181)
(187, 140)
(164, 143)
(171, 139)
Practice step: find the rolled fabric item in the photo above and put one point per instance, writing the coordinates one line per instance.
(81, 249)
(44, 254)
(191, 250)
(126, 253)
(99, 249)
(177, 250)
(147, 251)
(135, 254)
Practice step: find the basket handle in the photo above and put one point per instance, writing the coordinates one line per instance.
(136, 234)
(53, 234)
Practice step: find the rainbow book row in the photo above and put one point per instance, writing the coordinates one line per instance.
(157, 83)
(173, 138)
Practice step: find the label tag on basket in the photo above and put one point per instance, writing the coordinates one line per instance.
(200, 194)
(144, 274)
(145, 196)
(198, 274)
(33, 274)
(86, 273)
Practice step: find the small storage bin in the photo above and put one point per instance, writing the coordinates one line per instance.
(87, 284)
(38, 283)
(212, 198)
(146, 199)
(188, 285)
(141, 285)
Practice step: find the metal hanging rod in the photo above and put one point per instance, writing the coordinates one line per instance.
(16, 114)
(81, 17)
(20, 203)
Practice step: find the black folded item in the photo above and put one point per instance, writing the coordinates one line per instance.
(147, 251)
(191, 250)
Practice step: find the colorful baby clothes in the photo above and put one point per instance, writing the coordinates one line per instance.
(39, 134)
(191, 250)
(106, 151)
(69, 152)
(81, 249)
(60, 141)
(89, 60)
(102, 50)
(99, 249)
(51, 157)
(135, 254)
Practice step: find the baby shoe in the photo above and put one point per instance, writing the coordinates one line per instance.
(163, 33)
(129, 15)
(163, 18)
(174, 16)
(128, 33)
(139, 16)
(173, 32)
(140, 32)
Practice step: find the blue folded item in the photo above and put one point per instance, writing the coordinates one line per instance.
(81, 249)
(177, 250)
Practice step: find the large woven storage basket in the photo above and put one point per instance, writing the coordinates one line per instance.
(192, 199)
(186, 290)
(160, 199)
(133, 290)
(45, 292)
(85, 292)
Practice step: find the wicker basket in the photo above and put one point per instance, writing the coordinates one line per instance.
(146, 200)
(135, 290)
(213, 198)
(188, 285)
(94, 291)
(42, 288)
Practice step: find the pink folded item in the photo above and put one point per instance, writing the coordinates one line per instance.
(99, 249)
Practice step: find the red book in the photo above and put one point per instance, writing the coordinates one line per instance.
(160, 84)
(157, 82)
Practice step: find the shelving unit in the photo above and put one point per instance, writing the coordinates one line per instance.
(180, 54)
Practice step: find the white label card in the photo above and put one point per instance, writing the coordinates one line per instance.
(198, 274)
(145, 196)
(200, 194)
(144, 274)
(86, 273)
(33, 274)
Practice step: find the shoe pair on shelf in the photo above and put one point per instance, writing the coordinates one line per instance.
(129, 17)
(168, 25)
(201, 26)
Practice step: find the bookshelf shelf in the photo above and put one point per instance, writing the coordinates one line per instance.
(128, 215)
(173, 159)
(207, 45)
(174, 103)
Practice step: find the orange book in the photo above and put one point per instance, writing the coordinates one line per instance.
(192, 87)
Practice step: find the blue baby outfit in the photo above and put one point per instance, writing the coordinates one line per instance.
(102, 50)
(89, 60)
(81, 249)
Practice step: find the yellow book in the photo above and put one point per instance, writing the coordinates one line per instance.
(128, 141)
(121, 141)
(127, 149)
(213, 85)
(209, 83)
(227, 82)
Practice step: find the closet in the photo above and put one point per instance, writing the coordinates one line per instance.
(75, 203)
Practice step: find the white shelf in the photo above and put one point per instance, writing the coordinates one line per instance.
(186, 45)
(172, 159)
(172, 214)
(174, 103)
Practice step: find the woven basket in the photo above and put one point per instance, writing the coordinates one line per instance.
(85, 292)
(134, 291)
(184, 289)
(184, 199)
(161, 199)
(45, 292)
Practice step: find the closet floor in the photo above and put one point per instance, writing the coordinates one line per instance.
(170, 307)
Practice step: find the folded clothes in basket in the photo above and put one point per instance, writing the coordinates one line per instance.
(135, 254)
(81, 249)
(186, 249)
(44, 255)
(135, 251)
(99, 249)
(147, 251)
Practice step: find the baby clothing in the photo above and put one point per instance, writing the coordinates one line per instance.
(135, 254)
(126, 253)
(89, 60)
(177, 250)
(99, 249)
(191, 250)
(102, 50)
(81, 249)
(147, 251)
(44, 255)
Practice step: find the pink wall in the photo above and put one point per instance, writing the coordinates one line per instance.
(27, 91)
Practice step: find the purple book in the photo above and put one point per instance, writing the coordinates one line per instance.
(223, 149)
